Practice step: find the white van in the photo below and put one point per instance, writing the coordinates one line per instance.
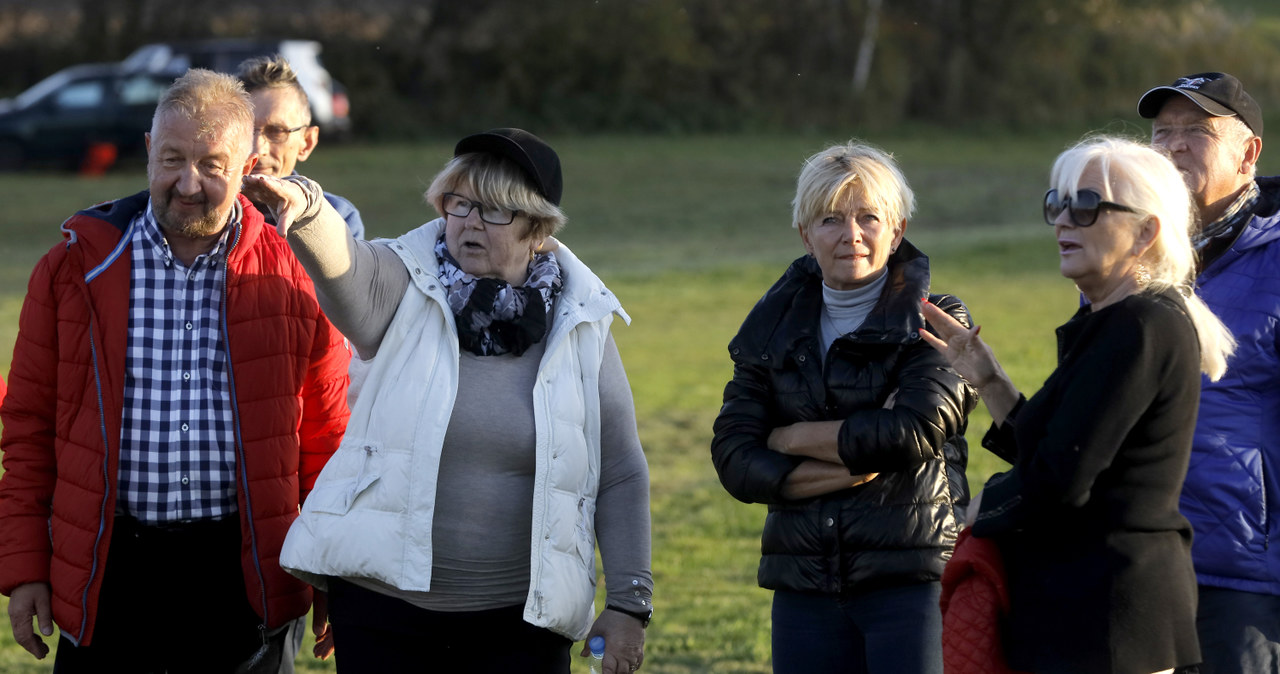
(330, 109)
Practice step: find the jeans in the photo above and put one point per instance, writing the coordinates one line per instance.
(1239, 632)
(896, 630)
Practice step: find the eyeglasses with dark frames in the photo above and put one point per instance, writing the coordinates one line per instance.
(460, 207)
(277, 134)
(1083, 208)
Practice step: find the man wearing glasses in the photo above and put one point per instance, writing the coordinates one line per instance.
(1212, 129)
(283, 134)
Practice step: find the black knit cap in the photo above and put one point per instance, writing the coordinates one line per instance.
(528, 151)
(1218, 94)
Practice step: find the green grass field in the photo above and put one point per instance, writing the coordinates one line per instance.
(688, 232)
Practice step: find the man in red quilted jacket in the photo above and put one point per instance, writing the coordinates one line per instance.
(175, 390)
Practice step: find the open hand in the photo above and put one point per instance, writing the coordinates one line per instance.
(961, 346)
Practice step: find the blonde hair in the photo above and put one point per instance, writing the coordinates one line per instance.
(1144, 179)
(499, 182)
(218, 102)
(273, 72)
(851, 170)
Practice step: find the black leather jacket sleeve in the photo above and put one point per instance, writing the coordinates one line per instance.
(930, 404)
(749, 470)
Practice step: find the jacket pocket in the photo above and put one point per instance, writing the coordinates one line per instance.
(585, 534)
(350, 472)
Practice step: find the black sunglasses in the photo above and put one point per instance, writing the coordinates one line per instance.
(1084, 207)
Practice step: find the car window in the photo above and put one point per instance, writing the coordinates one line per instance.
(42, 88)
(80, 95)
(141, 90)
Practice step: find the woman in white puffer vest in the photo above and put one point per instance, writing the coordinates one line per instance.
(493, 440)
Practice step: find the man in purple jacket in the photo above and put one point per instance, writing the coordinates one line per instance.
(1212, 129)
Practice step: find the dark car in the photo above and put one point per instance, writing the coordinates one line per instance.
(77, 112)
(329, 105)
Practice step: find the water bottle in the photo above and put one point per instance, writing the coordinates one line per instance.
(597, 654)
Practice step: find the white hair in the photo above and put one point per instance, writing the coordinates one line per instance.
(1141, 177)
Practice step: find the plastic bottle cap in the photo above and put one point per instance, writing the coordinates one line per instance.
(597, 646)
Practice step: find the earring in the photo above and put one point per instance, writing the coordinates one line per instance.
(1142, 275)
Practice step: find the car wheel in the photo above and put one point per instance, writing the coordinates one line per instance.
(11, 155)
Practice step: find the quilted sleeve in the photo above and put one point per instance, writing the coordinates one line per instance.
(28, 413)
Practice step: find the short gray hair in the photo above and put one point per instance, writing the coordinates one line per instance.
(1239, 133)
(218, 102)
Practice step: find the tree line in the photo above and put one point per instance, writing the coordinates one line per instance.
(437, 67)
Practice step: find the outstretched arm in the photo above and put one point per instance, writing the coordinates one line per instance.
(359, 284)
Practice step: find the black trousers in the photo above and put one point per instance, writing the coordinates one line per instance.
(173, 600)
(373, 632)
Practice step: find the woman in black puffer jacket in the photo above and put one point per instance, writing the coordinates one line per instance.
(850, 427)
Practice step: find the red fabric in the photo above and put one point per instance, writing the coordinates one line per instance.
(62, 425)
(974, 602)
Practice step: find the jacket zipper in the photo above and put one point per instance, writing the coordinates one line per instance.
(114, 255)
(235, 422)
(106, 478)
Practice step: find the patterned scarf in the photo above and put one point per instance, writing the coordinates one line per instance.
(1217, 236)
(494, 317)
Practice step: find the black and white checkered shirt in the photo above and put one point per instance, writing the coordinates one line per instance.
(177, 444)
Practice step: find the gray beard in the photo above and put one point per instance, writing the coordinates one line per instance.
(206, 225)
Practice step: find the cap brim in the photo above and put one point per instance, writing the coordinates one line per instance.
(1151, 102)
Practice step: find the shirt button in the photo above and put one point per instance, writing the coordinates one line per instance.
(185, 428)
(186, 480)
(188, 325)
(186, 376)
(831, 522)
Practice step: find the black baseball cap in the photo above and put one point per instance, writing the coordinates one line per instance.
(528, 151)
(1218, 94)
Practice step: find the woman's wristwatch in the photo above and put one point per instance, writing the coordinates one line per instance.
(643, 616)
